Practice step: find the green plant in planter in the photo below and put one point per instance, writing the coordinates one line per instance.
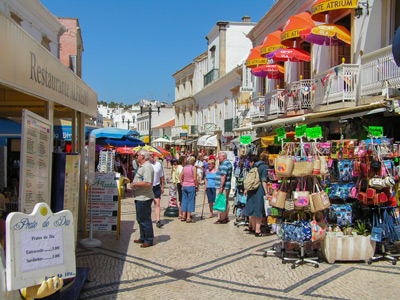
(361, 228)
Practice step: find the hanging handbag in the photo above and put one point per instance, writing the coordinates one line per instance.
(284, 164)
(279, 196)
(318, 229)
(302, 168)
(289, 204)
(377, 183)
(301, 198)
(377, 230)
(319, 197)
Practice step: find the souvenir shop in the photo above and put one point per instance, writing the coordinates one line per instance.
(335, 200)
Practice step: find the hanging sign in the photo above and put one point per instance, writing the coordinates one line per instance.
(185, 127)
(314, 133)
(281, 132)
(285, 140)
(301, 131)
(376, 131)
(245, 139)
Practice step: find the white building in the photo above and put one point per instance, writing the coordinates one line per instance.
(206, 91)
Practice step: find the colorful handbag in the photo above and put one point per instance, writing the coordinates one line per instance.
(320, 198)
(301, 198)
(284, 164)
(279, 196)
(289, 204)
(318, 230)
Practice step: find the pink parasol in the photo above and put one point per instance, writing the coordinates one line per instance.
(292, 55)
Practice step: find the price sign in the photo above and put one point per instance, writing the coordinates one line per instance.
(376, 131)
(276, 140)
(301, 131)
(314, 133)
(245, 139)
(281, 132)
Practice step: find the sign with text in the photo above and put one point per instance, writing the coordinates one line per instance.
(301, 131)
(35, 172)
(185, 127)
(39, 245)
(245, 139)
(281, 132)
(314, 133)
(376, 131)
(104, 201)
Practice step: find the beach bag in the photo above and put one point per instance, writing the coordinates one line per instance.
(279, 196)
(320, 198)
(302, 168)
(220, 202)
(301, 198)
(377, 232)
(318, 230)
(252, 181)
(284, 164)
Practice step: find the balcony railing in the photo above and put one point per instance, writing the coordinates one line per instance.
(378, 69)
(274, 103)
(299, 95)
(257, 107)
(210, 76)
(338, 84)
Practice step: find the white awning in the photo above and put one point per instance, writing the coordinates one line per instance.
(179, 142)
(202, 140)
(212, 141)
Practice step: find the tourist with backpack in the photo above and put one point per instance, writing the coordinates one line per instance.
(256, 188)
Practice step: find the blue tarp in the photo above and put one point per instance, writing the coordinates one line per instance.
(9, 129)
(112, 132)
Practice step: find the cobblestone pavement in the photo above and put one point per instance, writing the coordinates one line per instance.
(204, 261)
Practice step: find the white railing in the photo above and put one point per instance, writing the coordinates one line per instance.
(377, 69)
(299, 95)
(338, 84)
(257, 107)
(274, 103)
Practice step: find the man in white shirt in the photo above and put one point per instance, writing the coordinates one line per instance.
(158, 187)
(200, 167)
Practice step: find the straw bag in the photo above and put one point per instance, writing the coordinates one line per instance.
(302, 168)
(284, 164)
(279, 196)
(319, 197)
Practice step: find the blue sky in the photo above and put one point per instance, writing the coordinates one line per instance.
(133, 47)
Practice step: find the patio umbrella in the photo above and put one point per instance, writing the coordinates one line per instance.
(272, 71)
(151, 149)
(329, 35)
(255, 59)
(292, 55)
(293, 26)
(272, 42)
(112, 132)
(163, 151)
(123, 142)
(124, 150)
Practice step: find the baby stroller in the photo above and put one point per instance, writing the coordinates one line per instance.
(239, 209)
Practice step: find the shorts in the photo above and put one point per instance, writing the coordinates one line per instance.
(211, 194)
(157, 191)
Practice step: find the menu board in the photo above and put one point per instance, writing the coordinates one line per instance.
(71, 187)
(104, 204)
(35, 172)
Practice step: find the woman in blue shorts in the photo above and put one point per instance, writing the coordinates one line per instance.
(210, 185)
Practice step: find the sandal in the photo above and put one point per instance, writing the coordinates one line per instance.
(183, 220)
(249, 229)
(222, 221)
(190, 221)
(260, 234)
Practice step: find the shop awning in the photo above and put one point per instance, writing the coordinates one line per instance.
(64, 132)
(212, 141)
(202, 140)
(179, 142)
(293, 26)
(255, 59)
(113, 132)
(329, 34)
(9, 128)
(272, 42)
(321, 8)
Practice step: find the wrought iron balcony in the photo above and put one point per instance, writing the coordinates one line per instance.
(211, 76)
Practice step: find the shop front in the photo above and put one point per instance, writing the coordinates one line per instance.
(34, 83)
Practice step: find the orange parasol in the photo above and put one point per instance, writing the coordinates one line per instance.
(255, 59)
(272, 42)
(293, 26)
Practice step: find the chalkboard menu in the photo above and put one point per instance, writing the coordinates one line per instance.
(104, 203)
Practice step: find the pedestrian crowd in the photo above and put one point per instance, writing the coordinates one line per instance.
(188, 173)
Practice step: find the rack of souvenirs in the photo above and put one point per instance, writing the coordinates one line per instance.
(106, 161)
(336, 198)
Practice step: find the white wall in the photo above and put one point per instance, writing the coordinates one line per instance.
(237, 45)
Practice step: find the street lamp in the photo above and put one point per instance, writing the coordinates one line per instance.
(147, 108)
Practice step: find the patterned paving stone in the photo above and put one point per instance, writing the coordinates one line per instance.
(208, 261)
